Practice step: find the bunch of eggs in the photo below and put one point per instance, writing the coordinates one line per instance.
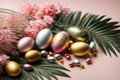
(60, 42)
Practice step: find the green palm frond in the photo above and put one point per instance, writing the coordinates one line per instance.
(99, 28)
(41, 70)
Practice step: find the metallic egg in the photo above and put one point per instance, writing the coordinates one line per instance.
(44, 38)
(80, 48)
(12, 68)
(60, 42)
(25, 44)
(32, 56)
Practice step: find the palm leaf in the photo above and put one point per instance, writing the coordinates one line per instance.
(102, 30)
(41, 69)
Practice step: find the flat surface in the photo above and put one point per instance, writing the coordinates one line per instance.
(103, 67)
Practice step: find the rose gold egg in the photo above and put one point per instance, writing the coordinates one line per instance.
(25, 44)
(60, 41)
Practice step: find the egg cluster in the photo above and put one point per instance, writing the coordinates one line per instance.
(64, 43)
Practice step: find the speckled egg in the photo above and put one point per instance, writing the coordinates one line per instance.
(60, 41)
(44, 38)
(25, 44)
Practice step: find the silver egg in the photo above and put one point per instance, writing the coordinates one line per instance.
(92, 46)
(51, 59)
(58, 56)
(76, 62)
(43, 52)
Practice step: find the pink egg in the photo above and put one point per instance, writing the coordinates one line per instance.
(25, 44)
(59, 41)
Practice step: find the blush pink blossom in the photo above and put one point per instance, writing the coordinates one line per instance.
(62, 8)
(30, 32)
(38, 24)
(39, 14)
(48, 19)
(29, 9)
(49, 9)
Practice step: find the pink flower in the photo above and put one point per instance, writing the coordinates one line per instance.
(49, 9)
(29, 9)
(39, 14)
(38, 24)
(3, 60)
(30, 32)
(48, 19)
(61, 8)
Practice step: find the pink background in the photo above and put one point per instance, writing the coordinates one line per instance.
(103, 67)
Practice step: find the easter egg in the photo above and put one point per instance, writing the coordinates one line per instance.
(60, 42)
(80, 48)
(44, 38)
(28, 67)
(12, 68)
(77, 34)
(92, 46)
(25, 44)
(32, 56)
(51, 59)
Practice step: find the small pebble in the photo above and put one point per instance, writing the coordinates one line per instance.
(82, 66)
(61, 61)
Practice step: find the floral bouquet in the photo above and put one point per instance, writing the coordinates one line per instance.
(35, 40)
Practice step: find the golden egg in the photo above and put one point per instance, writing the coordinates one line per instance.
(77, 34)
(12, 68)
(32, 56)
(80, 48)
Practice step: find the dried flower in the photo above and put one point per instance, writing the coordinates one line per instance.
(7, 40)
(62, 8)
(48, 19)
(30, 32)
(48, 9)
(29, 9)
(3, 60)
(38, 24)
(17, 22)
(39, 14)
